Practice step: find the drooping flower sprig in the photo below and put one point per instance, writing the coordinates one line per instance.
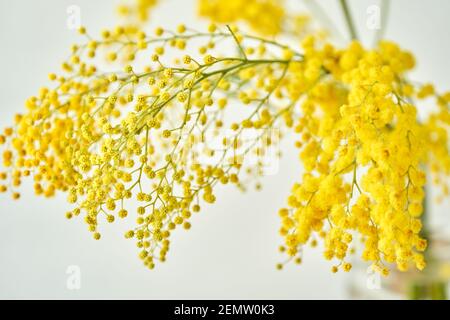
(145, 133)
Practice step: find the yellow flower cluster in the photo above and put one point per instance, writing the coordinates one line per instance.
(127, 131)
(145, 133)
(137, 9)
(363, 150)
(264, 16)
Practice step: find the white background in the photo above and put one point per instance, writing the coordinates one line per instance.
(231, 250)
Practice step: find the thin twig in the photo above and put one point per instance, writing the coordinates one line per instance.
(237, 42)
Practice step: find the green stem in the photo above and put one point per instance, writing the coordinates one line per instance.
(349, 20)
(434, 289)
(425, 232)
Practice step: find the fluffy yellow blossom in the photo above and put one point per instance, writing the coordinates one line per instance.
(265, 16)
(139, 9)
(363, 150)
